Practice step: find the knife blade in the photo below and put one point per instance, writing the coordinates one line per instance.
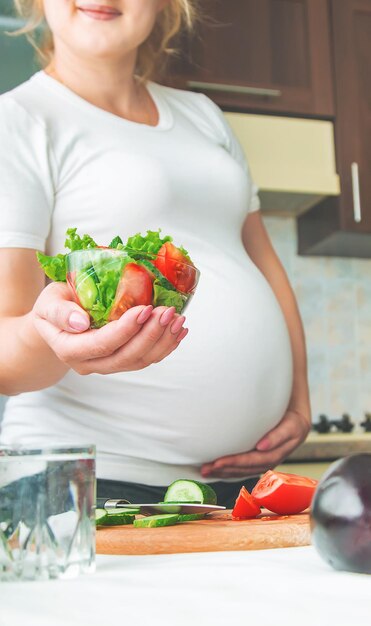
(158, 507)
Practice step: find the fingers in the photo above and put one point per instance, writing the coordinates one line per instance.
(74, 348)
(275, 439)
(293, 426)
(55, 305)
(172, 336)
(141, 336)
(159, 336)
(247, 464)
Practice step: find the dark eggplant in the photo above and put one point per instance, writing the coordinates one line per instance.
(341, 514)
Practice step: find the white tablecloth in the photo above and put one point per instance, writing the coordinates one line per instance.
(281, 587)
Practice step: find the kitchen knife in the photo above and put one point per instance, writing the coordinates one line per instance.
(159, 507)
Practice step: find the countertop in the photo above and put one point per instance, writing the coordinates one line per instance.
(284, 587)
(331, 446)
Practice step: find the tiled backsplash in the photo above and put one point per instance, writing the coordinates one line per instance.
(334, 296)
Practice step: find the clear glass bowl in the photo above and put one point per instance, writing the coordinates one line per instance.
(107, 282)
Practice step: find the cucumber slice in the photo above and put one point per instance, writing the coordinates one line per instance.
(190, 491)
(100, 516)
(118, 519)
(152, 521)
(86, 290)
(189, 517)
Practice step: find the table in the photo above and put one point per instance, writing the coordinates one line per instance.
(281, 587)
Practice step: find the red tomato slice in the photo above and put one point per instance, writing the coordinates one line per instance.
(245, 506)
(179, 270)
(285, 494)
(135, 287)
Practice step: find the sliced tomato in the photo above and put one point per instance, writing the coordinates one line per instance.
(283, 493)
(245, 506)
(135, 287)
(175, 266)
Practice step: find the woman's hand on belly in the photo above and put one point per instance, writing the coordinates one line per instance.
(269, 451)
(140, 337)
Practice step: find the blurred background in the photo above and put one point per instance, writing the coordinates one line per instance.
(16, 55)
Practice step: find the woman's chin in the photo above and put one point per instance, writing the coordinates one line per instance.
(100, 48)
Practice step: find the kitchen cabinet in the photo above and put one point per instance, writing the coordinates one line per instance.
(291, 179)
(303, 58)
(270, 56)
(342, 226)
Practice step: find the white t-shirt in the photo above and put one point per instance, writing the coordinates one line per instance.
(67, 163)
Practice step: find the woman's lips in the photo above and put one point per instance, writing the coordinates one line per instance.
(99, 12)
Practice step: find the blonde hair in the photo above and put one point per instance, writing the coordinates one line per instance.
(153, 53)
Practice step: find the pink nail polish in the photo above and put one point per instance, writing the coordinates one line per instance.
(177, 325)
(263, 445)
(182, 335)
(145, 314)
(78, 321)
(167, 316)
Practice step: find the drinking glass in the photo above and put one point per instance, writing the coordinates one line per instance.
(47, 512)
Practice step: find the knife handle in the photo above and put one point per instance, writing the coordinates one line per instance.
(109, 503)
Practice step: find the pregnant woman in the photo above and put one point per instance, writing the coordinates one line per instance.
(92, 142)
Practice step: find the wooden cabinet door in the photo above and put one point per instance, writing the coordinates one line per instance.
(352, 57)
(342, 226)
(261, 56)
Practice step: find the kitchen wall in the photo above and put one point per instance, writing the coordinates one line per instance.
(17, 57)
(334, 296)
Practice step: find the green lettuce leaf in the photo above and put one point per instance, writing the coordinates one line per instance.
(98, 314)
(147, 245)
(140, 246)
(165, 297)
(116, 242)
(53, 266)
(75, 242)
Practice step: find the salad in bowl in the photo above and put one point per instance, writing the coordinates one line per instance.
(108, 280)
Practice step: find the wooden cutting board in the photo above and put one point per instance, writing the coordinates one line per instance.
(216, 533)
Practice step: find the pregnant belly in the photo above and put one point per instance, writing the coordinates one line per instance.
(236, 368)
